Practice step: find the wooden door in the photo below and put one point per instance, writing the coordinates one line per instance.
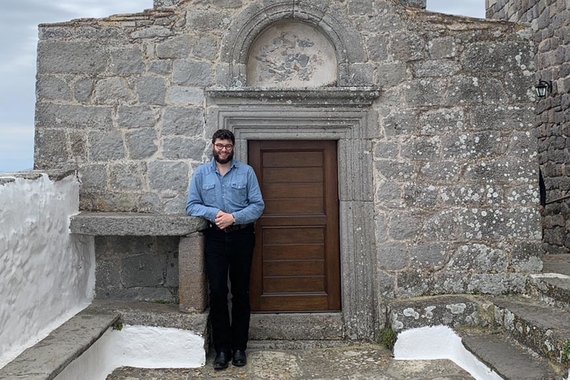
(296, 264)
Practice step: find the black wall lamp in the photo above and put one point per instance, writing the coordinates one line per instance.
(543, 87)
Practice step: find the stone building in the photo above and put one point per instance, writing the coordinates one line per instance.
(395, 146)
(549, 22)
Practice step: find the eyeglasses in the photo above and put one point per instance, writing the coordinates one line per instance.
(222, 146)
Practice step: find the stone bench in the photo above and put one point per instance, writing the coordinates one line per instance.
(51, 356)
(192, 279)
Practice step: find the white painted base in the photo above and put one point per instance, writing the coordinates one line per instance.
(137, 346)
(440, 342)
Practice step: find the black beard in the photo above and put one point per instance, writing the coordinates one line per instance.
(219, 160)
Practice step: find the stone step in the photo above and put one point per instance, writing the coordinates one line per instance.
(553, 284)
(543, 328)
(50, 356)
(446, 310)
(354, 361)
(508, 358)
(296, 326)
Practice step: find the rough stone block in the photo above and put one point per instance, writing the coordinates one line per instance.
(144, 271)
(433, 311)
(106, 146)
(192, 275)
(63, 57)
(50, 149)
(183, 121)
(192, 73)
(127, 60)
(179, 148)
(141, 143)
(392, 256)
(52, 115)
(126, 176)
(168, 175)
(112, 91)
(49, 87)
(151, 90)
(182, 95)
(175, 48)
(135, 117)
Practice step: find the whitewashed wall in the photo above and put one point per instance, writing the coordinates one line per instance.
(47, 275)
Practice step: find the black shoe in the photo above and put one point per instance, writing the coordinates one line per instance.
(222, 360)
(239, 359)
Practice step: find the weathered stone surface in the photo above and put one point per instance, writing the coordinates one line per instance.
(126, 224)
(192, 73)
(52, 115)
(141, 143)
(168, 175)
(182, 121)
(151, 90)
(126, 61)
(106, 146)
(433, 311)
(192, 289)
(71, 57)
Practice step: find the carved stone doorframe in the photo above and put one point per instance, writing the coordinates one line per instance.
(313, 115)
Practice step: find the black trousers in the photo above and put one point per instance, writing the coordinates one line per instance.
(231, 253)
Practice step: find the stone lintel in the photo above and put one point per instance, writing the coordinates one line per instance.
(134, 224)
(326, 95)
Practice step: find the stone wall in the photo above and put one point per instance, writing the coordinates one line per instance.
(450, 137)
(140, 268)
(550, 22)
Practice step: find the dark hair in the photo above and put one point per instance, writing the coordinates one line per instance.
(223, 134)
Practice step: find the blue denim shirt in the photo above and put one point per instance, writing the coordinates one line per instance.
(237, 192)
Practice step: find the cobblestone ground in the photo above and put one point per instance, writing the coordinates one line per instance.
(350, 362)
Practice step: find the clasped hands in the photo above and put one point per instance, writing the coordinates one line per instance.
(224, 220)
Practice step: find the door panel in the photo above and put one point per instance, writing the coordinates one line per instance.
(296, 261)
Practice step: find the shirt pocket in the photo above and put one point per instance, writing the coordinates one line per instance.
(209, 193)
(239, 191)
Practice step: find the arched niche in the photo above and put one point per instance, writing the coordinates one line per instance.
(262, 16)
(291, 55)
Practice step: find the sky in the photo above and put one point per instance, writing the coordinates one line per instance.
(19, 37)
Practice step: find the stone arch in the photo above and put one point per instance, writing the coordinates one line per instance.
(261, 15)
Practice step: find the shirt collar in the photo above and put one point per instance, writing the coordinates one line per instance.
(234, 164)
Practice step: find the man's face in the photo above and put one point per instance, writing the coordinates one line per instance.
(223, 151)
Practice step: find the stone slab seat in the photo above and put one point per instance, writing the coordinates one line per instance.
(135, 224)
(46, 359)
(192, 285)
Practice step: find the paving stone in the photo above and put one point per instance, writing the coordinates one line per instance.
(356, 361)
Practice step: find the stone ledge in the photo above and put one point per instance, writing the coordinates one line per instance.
(153, 314)
(53, 175)
(50, 356)
(134, 224)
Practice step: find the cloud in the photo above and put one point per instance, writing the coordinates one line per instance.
(19, 39)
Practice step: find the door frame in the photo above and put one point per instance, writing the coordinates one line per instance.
(254, 116)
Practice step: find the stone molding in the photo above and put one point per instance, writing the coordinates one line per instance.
(352, 96)
(269, 115)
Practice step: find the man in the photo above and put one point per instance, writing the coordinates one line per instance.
(226, 193)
